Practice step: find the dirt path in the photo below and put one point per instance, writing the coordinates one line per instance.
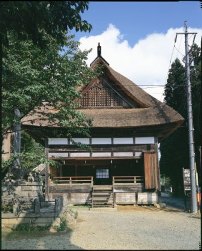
(135, 229)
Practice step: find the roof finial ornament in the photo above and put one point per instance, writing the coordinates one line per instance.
(99, 50)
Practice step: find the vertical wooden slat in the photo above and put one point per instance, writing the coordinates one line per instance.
(147, 170)
(151, 170)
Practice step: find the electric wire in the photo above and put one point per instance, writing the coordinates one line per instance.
(166, 74)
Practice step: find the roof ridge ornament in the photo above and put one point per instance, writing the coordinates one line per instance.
(99, 50)
(99, 59)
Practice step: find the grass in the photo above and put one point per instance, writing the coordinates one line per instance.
(27, 232)
(26, 227)
(23, 232)
(63, 225)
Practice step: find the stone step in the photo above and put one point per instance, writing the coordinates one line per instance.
(102, 202)
(102, 188)
(102, 206)
(102, 196)
(101, 199)
(43, 210)
(101, 193)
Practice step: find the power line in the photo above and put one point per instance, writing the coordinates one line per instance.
(179, 51)
(170, 59)
(155, 85)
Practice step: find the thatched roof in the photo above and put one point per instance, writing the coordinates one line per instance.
(151, 112)
(131, 117)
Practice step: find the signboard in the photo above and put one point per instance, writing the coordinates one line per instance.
(186, 179)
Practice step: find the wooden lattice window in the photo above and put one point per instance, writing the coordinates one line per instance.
(102, 95)
(102, 173)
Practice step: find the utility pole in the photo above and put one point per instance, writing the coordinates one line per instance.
(190, 122)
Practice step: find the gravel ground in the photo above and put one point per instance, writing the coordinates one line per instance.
(135, 228)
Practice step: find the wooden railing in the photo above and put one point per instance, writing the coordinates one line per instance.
(75, 180)
(127, 180)
(88, 180)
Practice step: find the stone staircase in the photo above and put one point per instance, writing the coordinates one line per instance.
(47, 207)
(102, 196)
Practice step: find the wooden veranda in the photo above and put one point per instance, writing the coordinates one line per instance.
(81, 189)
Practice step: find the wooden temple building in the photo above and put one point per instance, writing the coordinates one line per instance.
(121, 166)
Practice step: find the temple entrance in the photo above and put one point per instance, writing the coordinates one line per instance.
(102, 171)
(102, 176)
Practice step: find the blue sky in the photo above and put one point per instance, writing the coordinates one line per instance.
(137, 38)
(138, 19)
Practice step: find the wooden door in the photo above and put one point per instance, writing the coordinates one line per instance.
(151, 171)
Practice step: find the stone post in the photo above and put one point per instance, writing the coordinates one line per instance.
(58, 205)
(36, 206)
(15, 207)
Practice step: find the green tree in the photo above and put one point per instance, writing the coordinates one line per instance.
(174, 153)
(196, 98)
(32, 75)
(175, 148)
(32, 154)
(40, 62)
(27, 31)
(29, 19)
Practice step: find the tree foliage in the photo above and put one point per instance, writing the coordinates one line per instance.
(36, 67)
(29, 19)
(32, 75)
(32, 154)
(175, 148)
(31, 36)
(40, 62)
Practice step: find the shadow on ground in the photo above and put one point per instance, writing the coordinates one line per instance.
(33, 240)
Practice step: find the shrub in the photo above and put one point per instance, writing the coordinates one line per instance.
(29, 227)
(63, 225)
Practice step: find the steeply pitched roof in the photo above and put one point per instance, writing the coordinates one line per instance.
(152, 112)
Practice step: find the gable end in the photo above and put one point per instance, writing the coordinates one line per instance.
(102, 94)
